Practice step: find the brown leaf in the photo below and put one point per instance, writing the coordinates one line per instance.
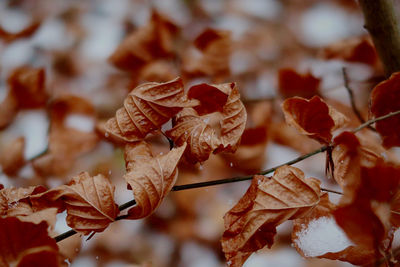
(215, 51)
(250, 155)
(26, 90)
(194, 130)
(323, 214)
(27, 85)
(8, 110)
(66, 143)
(26, 244)
(159, 71)
(212, 97)
(292, 83)
(251, 223)
(151, 178)
(202, 136)
(348, 156)
(366, 219)
(383, 101)
(233, 121)
(353, 50)
(15, 201)
(12, 156)
(148, 43)
(9, 37)
(286, 135)
(89, 201)
(313, 117)
(146, 109)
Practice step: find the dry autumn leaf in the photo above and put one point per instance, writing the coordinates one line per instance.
(215, 51)
(27, 85)
(353, 50)
(384, 99)
(15, 201)
(313, 117)
(292, 83)
(250, 155)
(146, 109)
(194, 130)
(201, 135)
(89, 201)
(65, 142)
(12, 156)
(212, 97)
(335, 245)
(26, 90)
(146, 44)
(26, 244)
(348, 156)
(251, 223)
(150, 178)
(366, 219)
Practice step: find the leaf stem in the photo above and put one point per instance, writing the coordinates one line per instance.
(366, 124)
(351, 96)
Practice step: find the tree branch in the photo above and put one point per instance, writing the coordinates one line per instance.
(383, 26)
(239, 178)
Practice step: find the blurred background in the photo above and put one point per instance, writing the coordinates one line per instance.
(262, 43)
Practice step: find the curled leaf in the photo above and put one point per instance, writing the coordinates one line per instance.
(348, 156)
(151, 178)
(194, 130)
(251, 223)
(233, 121)
(16, 202)
(26, 244)
(201, 135)
(89, 201)
(291, 83)
(12, 156)
(212, 97)
(313, 117)
(383, 101)
(146, 109)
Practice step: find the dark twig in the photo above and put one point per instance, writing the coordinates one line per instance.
(351, 95)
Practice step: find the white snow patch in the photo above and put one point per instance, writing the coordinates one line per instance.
(264, 9)
(33, 125)
(80, 122)
(285, 257)
(326, 23)
(321, 236)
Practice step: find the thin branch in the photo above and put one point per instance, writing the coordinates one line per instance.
(351, 95)
(238, 178)
(366, 124)
(210, 183)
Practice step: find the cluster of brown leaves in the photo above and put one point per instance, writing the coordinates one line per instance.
(202, 120)
(370, 180)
